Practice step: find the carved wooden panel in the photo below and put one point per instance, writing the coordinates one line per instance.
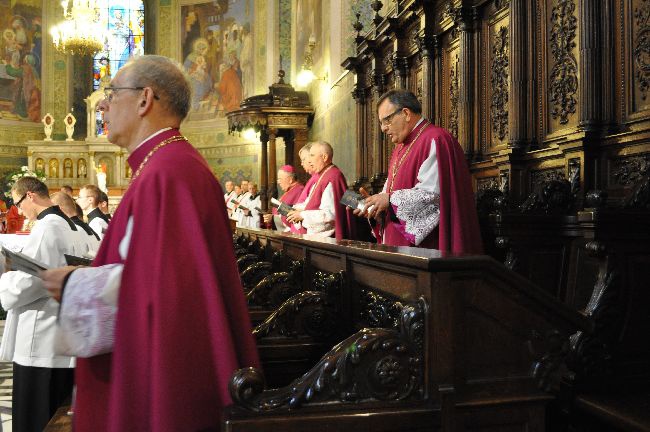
(637, 18)
(562, 51)
(495, 70)
(450, 88)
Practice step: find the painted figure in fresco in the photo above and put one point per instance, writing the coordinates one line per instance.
(230, 89)
(191, 30)
(246, 58)
(81, 168)
(197, 68)
(213, 56)
(54, 168)
(121, 30)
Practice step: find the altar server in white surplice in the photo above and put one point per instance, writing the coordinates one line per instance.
(42, 380)
(86, 234)
(242, 199)
(251, 218)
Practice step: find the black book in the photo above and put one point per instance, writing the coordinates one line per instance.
(240, 206)
(353, 200)
(21, 262)
(77, 261)
(283, 208)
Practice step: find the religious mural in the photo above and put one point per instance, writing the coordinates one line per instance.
(20, 64)
(310, 15)
(217, 54)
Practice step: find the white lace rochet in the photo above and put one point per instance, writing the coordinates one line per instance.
(419, 209)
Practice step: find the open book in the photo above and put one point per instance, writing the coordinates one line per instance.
(283, 208)
(353, 200)
(21, 262)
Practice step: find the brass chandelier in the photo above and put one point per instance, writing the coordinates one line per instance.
(79, 33)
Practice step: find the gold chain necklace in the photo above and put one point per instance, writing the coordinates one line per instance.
(401, 160)
(154, 150)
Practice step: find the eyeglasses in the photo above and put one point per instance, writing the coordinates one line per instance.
(21, 200)
(386, 121)
(109, 92)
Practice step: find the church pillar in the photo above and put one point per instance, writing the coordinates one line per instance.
(467, 84)
(118, 170)
(273, 187)
(91, 168)
(590, 64)
(362, 149)
(518, 102)
(264, 173)
(426, 47)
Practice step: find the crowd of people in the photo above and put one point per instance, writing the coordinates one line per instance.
(119, 329)
(427, 200)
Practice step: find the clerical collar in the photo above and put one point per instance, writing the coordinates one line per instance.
(151, 136)
(97, 213)
(55, 210)
(84, 226)
(409, 137)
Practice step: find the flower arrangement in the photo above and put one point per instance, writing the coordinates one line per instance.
(24, 171)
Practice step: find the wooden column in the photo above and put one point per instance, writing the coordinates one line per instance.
(400, 67)
(273, 187)
(426, 46)
(264, 170)
(518, 102)
(467, 85)
(590, 64)
(362, 147)
(378, 79)
(607, 25)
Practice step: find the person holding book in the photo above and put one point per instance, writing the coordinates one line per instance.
(42, 378)
(175, 324)
(427, 200)
(251, 208)
(323, 213)
(288, 182)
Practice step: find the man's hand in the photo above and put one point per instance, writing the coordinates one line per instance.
(246, 212)
(268, 217)
(53, 280)
(294, 216)
(374, 204)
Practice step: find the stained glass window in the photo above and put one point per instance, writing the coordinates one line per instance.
(124, 24)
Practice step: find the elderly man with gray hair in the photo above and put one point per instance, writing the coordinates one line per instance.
(172, 321)
(323, 214)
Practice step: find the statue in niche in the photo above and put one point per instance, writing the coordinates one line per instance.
(70, 121)
(100, 174)
(54, 168)
(48, 124)
(67, 168)
(127, 170)
(39, 166)
(81, 169)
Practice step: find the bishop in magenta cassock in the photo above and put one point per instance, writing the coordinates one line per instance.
(427, 200)
(323, 214)
(171, 291)
(288, 181)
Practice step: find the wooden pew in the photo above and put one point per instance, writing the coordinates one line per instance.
(472, 343)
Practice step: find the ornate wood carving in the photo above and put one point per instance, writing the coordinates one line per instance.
(272, 290)
(454, 89)
(254, 273)
(499, 81)
(591, 353)
(553, 196)
(243, 262)
(631, 170)
(309, 313)
(574, 176)
(642, 47)
(375, 364)
(550, 368)
(564, 74)
(377, 310)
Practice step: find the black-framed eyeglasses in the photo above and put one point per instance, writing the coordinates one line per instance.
(20, 201)
(386, 121)
(109, 92)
